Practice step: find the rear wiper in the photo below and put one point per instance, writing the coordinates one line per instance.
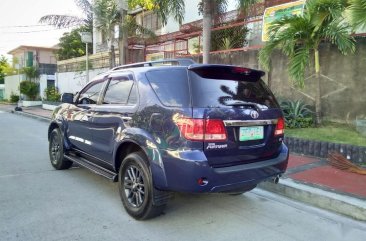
(245, 103)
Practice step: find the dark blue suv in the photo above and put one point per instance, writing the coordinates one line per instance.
(158, 129)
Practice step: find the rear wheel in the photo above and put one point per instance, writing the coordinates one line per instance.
(56, 151)
(136, 188)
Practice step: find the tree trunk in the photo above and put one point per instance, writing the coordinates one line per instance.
(206, 30)
(318, 106)
(112, 57)
(123, 38)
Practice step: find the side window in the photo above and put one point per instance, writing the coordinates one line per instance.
(90, 94)
(121, 90)
(170, 86)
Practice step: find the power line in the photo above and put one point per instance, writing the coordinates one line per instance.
(36, 31)
(25, 26)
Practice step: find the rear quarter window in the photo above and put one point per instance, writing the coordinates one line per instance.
(170, 86)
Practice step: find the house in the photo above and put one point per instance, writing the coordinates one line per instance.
(175, 40)
(42, 58)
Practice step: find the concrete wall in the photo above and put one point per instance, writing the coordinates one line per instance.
(71, 82)
(343, 81)
(12, 85)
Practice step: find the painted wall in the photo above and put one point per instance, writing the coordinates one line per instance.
(71, 82)
(11, 84)
(46, 57)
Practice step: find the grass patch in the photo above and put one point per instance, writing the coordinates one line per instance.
(330, 132)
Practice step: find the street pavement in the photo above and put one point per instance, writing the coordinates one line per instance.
(307, 179)
(39, 203)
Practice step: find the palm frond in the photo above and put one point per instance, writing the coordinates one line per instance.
(166, 8)
(62, 21)
(244, 5)
(338, 33)
(356, 13)
(298, 64)
(85, 6)
(265, 53)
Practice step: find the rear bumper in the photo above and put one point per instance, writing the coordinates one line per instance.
(183, 169)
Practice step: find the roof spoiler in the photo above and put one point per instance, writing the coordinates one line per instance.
(227, 72)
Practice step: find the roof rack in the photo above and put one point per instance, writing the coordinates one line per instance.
(168, 62)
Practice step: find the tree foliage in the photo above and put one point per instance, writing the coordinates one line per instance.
(299, 36)
(163, 8)
(210, 8)
(356, 13)
(71, 45)
(3, 68)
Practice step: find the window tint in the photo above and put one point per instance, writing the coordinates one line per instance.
(90, 94)
(171, 86)
(221, 92)
(119, 90)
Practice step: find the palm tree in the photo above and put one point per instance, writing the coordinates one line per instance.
(299, 37)
(210, 8)
(107, 17)
(65, 21)
(163, 8)
(356, 12)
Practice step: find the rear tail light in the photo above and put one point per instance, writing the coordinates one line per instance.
(280, 127)
(201, 129)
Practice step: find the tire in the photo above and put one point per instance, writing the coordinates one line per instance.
(56, 151)
(136, 188)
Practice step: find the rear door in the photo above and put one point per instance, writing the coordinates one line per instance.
(114, 114)
(240, 99)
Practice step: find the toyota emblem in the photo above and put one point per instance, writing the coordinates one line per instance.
(254, 114)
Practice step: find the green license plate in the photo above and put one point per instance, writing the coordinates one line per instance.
(251, 133)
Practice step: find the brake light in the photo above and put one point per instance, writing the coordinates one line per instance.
(201, 129)
(280, 127)
(240, 70)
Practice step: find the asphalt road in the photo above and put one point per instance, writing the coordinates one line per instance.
(39, 203)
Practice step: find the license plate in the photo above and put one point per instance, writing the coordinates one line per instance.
(251, 133)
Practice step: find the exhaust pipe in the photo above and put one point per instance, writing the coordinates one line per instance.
(276, 179)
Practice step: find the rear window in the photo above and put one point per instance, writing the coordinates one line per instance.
(170, 86)
(208, 92)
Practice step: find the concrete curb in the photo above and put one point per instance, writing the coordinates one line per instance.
(41, 118)
(346, 205)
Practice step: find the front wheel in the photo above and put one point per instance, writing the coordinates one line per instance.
(56, 151)
(136, 188)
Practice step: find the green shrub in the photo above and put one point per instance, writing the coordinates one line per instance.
(30, 89)
(297, 114)
(14, 98)
(52, 94)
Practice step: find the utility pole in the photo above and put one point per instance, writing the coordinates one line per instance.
(86, 38)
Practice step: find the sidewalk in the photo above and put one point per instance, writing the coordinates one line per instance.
(307, 179)
(315, 182)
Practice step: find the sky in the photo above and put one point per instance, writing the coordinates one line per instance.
(19, 22)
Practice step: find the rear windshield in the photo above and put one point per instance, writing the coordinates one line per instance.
(207, 92)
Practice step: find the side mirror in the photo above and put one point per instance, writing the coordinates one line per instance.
(67, 98)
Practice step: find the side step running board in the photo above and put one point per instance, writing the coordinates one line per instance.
(93, 167)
